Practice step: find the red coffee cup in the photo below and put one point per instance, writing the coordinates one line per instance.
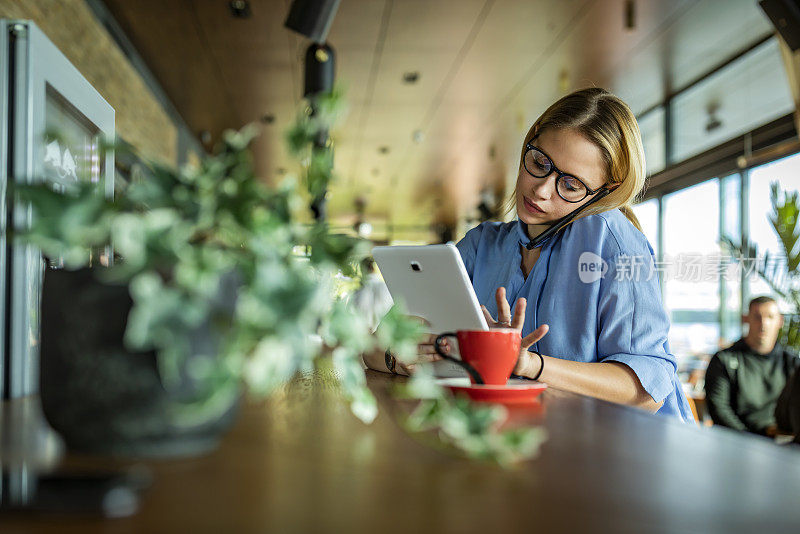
(489, 356)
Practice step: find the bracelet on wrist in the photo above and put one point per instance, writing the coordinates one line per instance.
(391, 362)
(541, 365)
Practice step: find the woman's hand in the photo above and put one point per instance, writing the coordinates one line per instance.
(426, 352)
(527, 364)
(504, 319)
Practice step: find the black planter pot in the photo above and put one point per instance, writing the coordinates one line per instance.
(101, 397)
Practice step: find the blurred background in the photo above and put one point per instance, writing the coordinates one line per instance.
(439, 96)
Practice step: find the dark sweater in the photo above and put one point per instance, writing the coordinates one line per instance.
(742, 386)
(787, 413)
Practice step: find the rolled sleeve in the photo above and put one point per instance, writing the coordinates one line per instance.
(633, 326)
(655, 378)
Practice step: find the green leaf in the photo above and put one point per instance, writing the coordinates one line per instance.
(347, 364)
(784, 221)
(472, 429)
(271, 365)
(210, 252)
(399, 333)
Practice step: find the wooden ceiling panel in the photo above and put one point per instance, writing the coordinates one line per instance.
(357, 25)
(488, 68)
(425, 26)
(485, 83)
(261, 35)
(168, 41)
(391, 90)
(353, 74)
(513, 39)
(522, 29)
(604, 41)
(391, 124)
(256, 59)
(590, 40)
(458, 129)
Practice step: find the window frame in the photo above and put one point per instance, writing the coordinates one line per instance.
(772, 141)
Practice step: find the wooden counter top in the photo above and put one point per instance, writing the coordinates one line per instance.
(301, 462)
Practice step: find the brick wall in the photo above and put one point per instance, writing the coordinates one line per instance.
(72, 27)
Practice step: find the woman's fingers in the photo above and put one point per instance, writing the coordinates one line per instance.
(428, 347)
(534, 336)
(404, 369)
(421, 320)
(489, 319)
(407, 369)
(504, 318)
(519, 314)
(522, 363)
(427, 352)
(503, 309)
(425, 346)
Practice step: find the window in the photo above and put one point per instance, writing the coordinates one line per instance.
(730, 281)
(786, 172)
(746, 94)
(647, 213)
(691, 280)
(704, 291)
(651, 126)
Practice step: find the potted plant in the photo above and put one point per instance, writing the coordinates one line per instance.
(779, 271)
(216, 288)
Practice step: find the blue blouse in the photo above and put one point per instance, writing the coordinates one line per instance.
(595, 285)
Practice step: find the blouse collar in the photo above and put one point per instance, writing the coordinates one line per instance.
(522, 233)
(524, 239)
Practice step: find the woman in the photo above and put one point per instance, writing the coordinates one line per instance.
(588, 299)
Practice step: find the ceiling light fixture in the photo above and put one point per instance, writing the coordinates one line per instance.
(312, 18)
(320, 69)
(411, 77)
(564, 81)
(713, 122)
(630, 15)
(240, 9)
(364, 229)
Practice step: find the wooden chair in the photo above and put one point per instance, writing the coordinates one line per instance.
(693, 406)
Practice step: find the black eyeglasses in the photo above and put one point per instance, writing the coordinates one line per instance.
(539, 165)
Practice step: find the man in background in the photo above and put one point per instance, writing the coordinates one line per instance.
(744, 381)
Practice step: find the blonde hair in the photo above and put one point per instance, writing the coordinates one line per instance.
(609, 124)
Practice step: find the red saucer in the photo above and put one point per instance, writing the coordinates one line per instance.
(515, 391)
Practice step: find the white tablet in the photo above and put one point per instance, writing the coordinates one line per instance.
(433, 283)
